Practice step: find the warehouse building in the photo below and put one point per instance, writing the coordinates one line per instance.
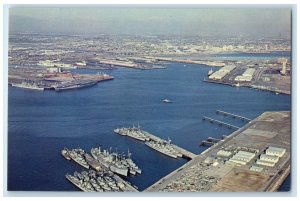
(256, 168)
(242, 157)
(269, 158)
(218, 75)
(275, 151)
(247, 75)
(223, 153)
(265, 163)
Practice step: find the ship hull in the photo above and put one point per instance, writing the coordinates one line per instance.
(76, 184)
(28, 87)
(167, 154)
(75, 86)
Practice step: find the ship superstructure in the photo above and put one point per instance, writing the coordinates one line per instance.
(164, 147)
(92, 181)
(134, 132)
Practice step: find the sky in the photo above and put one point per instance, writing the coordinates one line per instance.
(258, 22)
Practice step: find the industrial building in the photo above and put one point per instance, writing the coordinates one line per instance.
(269, 158)
(275, 151)
(256, 168)
(247, 75)
(223, 153)
(242, 157)
(218, 75)
(265, 163)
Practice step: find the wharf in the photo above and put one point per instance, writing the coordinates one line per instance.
(233, 115)
(220, 122)
(209, 173)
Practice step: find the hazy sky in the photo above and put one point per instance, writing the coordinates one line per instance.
(151, 21)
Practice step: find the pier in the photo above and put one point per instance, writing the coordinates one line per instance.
(220, 122)
(184, 152)
(232, 115)
(208, 173)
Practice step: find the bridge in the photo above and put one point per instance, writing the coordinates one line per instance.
(220, 122)
(233, 115)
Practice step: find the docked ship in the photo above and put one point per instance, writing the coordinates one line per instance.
(28, 85)
(110, 160)
(65, 153)
(93, 162)
(115, 162)
(134, 132)
(164, 147)
(210, 72)
(75, 85)
(133, 168)
(78, 156)
(96, 182)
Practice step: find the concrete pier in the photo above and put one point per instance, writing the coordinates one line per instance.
(233, 115)
(220, 122)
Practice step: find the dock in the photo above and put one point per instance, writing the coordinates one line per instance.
(184, 152)
(208, 172)
(220, 122)
(232, 115)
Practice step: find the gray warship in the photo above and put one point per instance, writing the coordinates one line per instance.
(134, 132)
(164, 147)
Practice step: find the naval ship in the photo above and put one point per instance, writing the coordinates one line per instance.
(92, 181)
(134, 132)
(74, 85)
(115, 162)
(133, 168)
(76, 155)
(164, 147)
(28, 85)
(110, 160)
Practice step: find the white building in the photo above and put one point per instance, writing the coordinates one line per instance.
(247, 75)
(275, 151)
(218, 75)
(242, 157)
(224, 153)
(269, 158)
(265, 163)
(221, 72)
(256, 168)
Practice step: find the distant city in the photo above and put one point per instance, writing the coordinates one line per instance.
(52, 53)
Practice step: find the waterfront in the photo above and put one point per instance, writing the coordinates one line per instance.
(41, 124)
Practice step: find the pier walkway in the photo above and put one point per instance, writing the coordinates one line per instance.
(233, 115)
(220, 122)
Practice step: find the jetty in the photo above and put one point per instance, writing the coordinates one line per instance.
(232, 115)
(219, 122)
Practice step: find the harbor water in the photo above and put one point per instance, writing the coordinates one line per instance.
(41, 124)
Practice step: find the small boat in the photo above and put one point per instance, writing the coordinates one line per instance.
(167, 101)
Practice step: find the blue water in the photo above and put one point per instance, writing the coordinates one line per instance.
(40, 124)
